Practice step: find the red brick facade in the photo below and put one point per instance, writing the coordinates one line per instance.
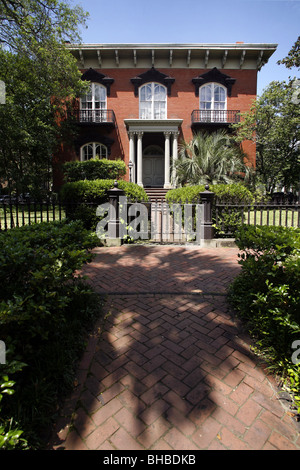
(182, 100)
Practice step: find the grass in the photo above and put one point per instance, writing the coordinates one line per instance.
(25, 215)
(281, 217)
(17, 216)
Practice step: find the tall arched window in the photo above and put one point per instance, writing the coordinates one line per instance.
(91, 150)
(153, 101)
(93, 104)
(213, 102)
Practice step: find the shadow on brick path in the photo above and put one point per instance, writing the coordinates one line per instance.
(171, 368)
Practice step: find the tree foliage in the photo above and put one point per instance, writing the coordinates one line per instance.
(210, 159)
(38, 21)
(273, 124)
(42, 79)
(293, 57)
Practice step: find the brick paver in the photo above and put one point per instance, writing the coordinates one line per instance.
(171, 368)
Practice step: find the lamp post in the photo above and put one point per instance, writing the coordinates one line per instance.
(130, 165)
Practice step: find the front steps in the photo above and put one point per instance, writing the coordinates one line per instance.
(156, 194)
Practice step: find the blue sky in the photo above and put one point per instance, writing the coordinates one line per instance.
(198, 21)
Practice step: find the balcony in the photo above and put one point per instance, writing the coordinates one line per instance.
(105, 117)
(217, 118)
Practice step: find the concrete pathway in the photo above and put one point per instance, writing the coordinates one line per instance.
(171, 368)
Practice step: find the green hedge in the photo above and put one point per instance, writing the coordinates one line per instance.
(230, 218)
(45, 311)
(225, 193)
(94, 169)
(267, 295)
(96, 191)
(82, 197)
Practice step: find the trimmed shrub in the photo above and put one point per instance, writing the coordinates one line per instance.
(230, 218)
(45, 311)
(225, 193)
(82, 197)
(94, 169)
(267, 295)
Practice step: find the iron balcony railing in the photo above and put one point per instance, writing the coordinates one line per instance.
(216, 116)
(96, 116)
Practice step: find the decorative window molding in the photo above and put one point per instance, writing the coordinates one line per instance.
(213, 96)
(213, 103)
(152, 101)
(91, 150)
(95, 99)
(214, 75)
(152, 75)
(92, 75)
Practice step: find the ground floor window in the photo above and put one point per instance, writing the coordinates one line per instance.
(91, 150)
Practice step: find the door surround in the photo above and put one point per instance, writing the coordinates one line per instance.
(153, 166)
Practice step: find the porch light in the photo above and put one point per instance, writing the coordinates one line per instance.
(130, 165)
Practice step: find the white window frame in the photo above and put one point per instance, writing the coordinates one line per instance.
(143, 114)
(213, 113)
(97, 111)
(94, 150)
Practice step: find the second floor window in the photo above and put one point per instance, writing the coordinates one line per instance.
(153, 101)
(213, 102)
(93, 104)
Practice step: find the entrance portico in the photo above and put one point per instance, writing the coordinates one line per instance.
(169, 129)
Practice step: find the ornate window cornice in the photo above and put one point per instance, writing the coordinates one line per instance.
(92, 75)
(214, 75)
(152, 75)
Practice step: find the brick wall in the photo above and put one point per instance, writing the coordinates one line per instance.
(180, 104)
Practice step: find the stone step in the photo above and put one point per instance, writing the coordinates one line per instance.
(156, 193)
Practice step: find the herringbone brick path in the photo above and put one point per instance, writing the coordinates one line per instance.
(171, 368)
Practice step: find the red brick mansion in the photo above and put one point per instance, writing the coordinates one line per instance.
(145, 98)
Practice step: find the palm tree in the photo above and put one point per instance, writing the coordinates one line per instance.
(210, 159)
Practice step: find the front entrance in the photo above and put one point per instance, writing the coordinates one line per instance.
(153, 167)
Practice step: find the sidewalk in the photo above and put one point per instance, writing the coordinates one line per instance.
(171, 368)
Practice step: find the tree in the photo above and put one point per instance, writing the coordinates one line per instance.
(42, 79)
(293, 57)
(24, 24)
(210, 158)
(273, 124)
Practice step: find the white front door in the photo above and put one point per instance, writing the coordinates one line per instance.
(153, 170)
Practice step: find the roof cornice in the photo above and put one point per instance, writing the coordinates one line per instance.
(206, 56)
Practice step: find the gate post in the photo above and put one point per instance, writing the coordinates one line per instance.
(207, 198)
(114, 231)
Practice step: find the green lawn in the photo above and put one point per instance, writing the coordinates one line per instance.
(25, 216)
(289, 217)
(281, 217)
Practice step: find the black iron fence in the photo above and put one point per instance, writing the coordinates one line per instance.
(228, 217)
(17, 214)
(219, 219)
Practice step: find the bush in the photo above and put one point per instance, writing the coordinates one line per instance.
(10, 433)
(225, 193)
(94, 169)
(81, 198)
(230, 218)
(267, 295)
(45, 311)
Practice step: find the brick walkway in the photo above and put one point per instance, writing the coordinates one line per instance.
(171, 369)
